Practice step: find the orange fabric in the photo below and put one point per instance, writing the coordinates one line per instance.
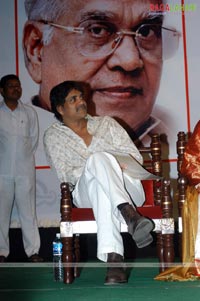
(191, 162)
(190, 269)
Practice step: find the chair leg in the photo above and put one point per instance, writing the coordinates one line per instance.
(66, 231)
(67, 259)
(160, 251)
(180, 244)
(77, 255)
(168, 248)
(165, 250)
(167, 239)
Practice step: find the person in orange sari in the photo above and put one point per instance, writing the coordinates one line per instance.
(190, 169)
(191, 161)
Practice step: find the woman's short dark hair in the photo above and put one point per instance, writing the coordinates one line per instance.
(59, 93)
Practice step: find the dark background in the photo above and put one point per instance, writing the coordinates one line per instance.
(88, 246)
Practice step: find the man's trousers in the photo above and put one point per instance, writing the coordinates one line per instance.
(20, 189)
(102, 187)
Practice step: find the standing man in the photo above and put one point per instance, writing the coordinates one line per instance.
(18, 142)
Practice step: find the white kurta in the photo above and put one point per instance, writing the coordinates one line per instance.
(96, 174)
(18, 141)
(67, 152)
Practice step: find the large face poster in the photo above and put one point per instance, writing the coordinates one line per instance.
(140, 58)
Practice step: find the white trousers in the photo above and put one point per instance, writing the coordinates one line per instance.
(20, 189)
(102, 188)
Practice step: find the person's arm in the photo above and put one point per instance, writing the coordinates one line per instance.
(34, 130)
(57, 158)
(124, 143)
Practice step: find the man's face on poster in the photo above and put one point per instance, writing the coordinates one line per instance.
(117, 53)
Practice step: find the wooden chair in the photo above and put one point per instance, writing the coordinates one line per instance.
(158, 206)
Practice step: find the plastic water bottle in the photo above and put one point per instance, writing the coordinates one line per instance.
(57, 258)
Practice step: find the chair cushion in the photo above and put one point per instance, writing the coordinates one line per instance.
(148, 209)
(148, 190)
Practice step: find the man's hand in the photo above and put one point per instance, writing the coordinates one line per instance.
(123, 166)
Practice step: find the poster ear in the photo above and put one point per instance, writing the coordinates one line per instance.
(33, 47)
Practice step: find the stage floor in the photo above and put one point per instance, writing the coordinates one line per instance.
(31, 282)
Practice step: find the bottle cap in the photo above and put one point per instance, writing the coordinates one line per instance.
(58, 235)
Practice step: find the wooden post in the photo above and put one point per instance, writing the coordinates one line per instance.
(77, 255)
(156, 167)
(181, 183)
(180, 147)
(167, 209)
(157, 190)
(66, 233)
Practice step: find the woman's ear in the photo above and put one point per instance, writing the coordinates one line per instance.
(33, 47)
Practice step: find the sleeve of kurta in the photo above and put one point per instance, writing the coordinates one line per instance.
(34, 130)
(191, 161)
(56, 156)
(122, 140)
